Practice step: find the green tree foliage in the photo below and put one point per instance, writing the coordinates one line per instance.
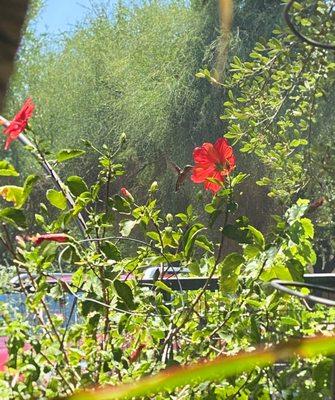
(133, 71)
(126, 330)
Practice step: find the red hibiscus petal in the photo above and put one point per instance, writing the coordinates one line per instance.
(232, 162)
(224, 150)
(213, 161)
(19, 122)
(200, 174)
(8, 142)
(53, 237)
(212, 186)
(206, 154)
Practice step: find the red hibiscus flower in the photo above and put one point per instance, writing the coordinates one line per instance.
(53, 237)
(213, 162)
(19, 123)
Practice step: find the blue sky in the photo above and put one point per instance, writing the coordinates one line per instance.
(62, 15)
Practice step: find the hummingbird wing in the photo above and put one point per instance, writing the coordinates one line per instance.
(173, 166)
(186, 172)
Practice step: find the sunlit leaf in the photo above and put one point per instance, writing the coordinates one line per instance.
(68, 154)
(12, 194)
(7, 169)
(57, 199)
(126, 226)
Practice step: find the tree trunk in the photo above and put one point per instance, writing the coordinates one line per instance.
(12, 14)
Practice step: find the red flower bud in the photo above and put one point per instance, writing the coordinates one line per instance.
(53, 237)
(136, 353)
(126, 194)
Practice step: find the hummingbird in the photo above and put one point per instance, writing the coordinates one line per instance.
(182, 173)
(316, 204)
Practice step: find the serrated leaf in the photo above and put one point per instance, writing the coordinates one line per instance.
(308, 227)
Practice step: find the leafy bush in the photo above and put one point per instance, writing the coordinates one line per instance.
(116, 329)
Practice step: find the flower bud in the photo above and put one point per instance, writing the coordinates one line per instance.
(126, 194)
(123, 137)
(169, 218)
(153, 187)
(51, 237)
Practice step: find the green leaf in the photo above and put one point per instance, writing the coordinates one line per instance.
(251, 251)
(238, 179)
(289, 321)
(276, 272)
(163, 286)
(14, 194)
(29, 184)
(235, 233)
(229, 284)
(56, 198)
(308, 227)
(296, 269)
(298, 142)
(153, 235)
(13, 216)
(213, 370)
(124, 292)
(231, 263)
(126, 226)
(203, 242)
(7, 169)
(297, 210)
(190, 237)
(121, 204)
(256, 235)
(68, 154)
(76, 185)
(110, 251)
(40, 219)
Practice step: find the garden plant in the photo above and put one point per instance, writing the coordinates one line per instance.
(244, 340)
